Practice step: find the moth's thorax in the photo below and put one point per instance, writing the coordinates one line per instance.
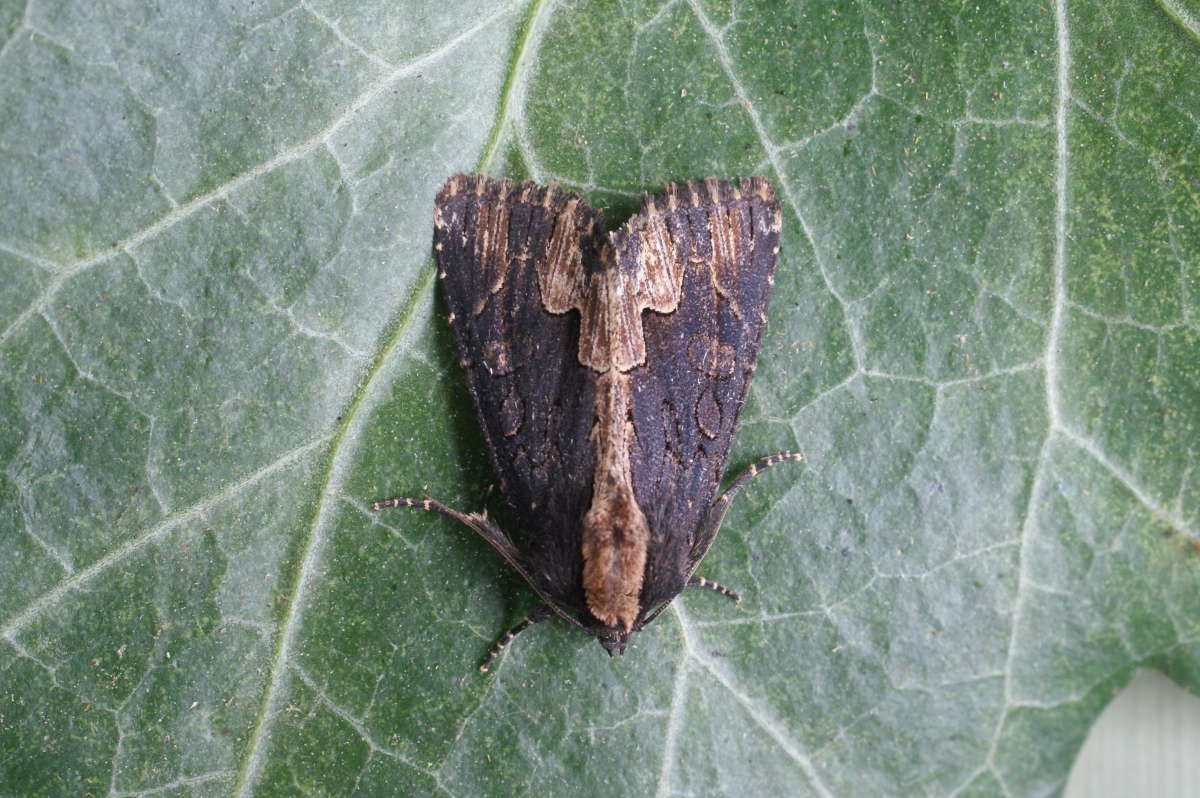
(615, 534)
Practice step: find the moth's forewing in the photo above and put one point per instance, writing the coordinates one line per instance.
(533, 398)
(688, 395)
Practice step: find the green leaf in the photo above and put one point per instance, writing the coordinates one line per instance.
(220, 341)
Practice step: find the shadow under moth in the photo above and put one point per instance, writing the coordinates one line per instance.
(608, 372)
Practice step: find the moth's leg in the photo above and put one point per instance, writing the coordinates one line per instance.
(539, 613)
(498, 541)
(428, 504)
(716, 513)
(696, 581)
(754, 470)
(480, 523)
(700, 581)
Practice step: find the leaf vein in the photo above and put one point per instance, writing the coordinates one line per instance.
(186, 210)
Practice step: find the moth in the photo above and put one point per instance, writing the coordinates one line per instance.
(608, 370)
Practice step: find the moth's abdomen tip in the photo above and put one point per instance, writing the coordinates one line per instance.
(483, 668)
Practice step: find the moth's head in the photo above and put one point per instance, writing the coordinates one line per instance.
(613, 639)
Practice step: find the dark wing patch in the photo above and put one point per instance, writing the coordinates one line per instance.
(494, 241)
(687, 396)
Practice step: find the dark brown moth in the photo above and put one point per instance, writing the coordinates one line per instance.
(608, 372)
